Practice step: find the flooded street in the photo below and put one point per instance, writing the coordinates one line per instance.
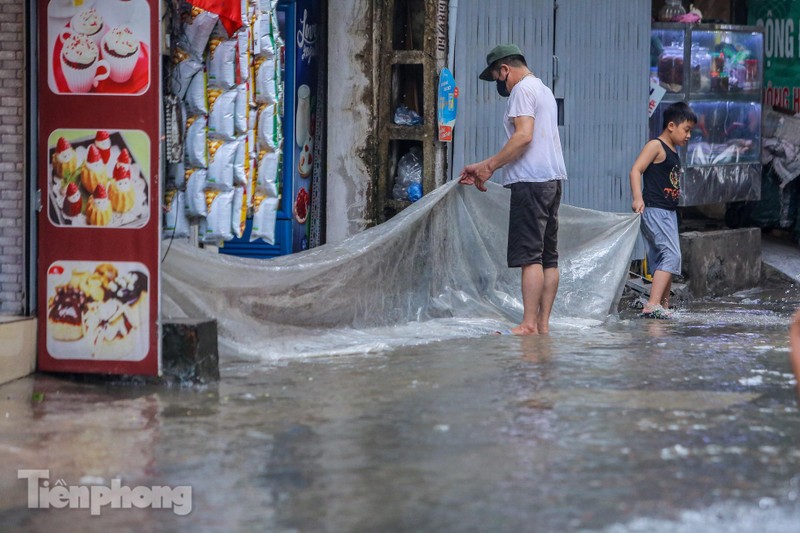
(688, 425)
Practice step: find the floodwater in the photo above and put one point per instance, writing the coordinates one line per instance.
(686, 425)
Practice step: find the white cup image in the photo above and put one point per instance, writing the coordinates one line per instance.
(120, 48)
(81, 63)
(302, 121)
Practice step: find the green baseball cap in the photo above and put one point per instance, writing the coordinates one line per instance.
(498, 52)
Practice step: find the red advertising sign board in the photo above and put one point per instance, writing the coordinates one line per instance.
(99, 227)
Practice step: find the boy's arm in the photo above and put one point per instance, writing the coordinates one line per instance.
(647, 156)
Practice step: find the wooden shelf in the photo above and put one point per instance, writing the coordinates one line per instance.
(411, 77)
(407, 57)
(391, 207)
(397, 204)
(397, 132)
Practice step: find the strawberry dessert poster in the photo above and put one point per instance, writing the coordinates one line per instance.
(98, 162)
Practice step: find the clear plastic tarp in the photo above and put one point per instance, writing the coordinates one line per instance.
(435, 271)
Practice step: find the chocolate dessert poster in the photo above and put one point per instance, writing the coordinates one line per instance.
(98, 176)
(97, 311)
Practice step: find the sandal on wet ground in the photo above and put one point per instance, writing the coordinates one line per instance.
(658, 313)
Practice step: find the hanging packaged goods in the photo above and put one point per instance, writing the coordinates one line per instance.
(225, 71)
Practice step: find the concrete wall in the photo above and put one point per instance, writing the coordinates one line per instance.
(12, 150)
(351, 139)
(719, 263)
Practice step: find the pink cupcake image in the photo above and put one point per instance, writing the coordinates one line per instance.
(89, 23)
(80, 63)
(120, 48)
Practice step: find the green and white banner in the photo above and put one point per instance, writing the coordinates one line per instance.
(781, 22)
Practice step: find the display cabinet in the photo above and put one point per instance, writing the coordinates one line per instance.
(718, 71)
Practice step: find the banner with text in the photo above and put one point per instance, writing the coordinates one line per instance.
(781, 22)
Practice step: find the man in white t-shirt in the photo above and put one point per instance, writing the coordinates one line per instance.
(534, 169)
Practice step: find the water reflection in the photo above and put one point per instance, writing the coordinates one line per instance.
(81, 435)
(655, 328)
(538, 349)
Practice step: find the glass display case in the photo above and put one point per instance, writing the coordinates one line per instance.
(718, 71)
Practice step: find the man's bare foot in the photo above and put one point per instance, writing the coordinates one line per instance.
(524, 330)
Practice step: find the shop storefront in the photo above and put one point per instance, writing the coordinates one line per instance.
(245, 128)
(203, 122)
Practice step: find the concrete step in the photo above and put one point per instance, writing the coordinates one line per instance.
(17, 347)
(643, 287)
(782, 255)
(720, 263)
(190, 353)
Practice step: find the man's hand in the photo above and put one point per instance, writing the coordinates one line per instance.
(638, 205)
(476, 174)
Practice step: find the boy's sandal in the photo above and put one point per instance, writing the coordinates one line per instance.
(660, 314)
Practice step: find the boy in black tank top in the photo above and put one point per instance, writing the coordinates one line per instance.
(659, 166)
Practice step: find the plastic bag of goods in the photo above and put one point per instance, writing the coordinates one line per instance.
(221, 110)
(196, 142)
(176, 223)
(240, 162)
(195, 192)
(221, 157)
(216, 226)
(222, 63)
(176, 175)
(408, 182)
(267, 173)
(267, 81)
(268, 129)
(240, 116)
(184, 68)
(265, 215)
(197, 29)
(238, 212)
(196, 98)
(243, 50)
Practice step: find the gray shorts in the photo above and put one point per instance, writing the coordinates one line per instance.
(533, 224)
(660, 231)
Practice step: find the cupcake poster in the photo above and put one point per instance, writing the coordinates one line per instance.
(98, 310)
(98, 178)
(98, 46)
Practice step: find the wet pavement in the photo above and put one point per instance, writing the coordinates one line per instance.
(684, 425)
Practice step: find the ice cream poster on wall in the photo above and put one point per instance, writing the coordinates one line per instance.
(306, 27)
(98, 249)
(98, 46)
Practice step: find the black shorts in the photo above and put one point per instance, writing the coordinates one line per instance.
(533, 224)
